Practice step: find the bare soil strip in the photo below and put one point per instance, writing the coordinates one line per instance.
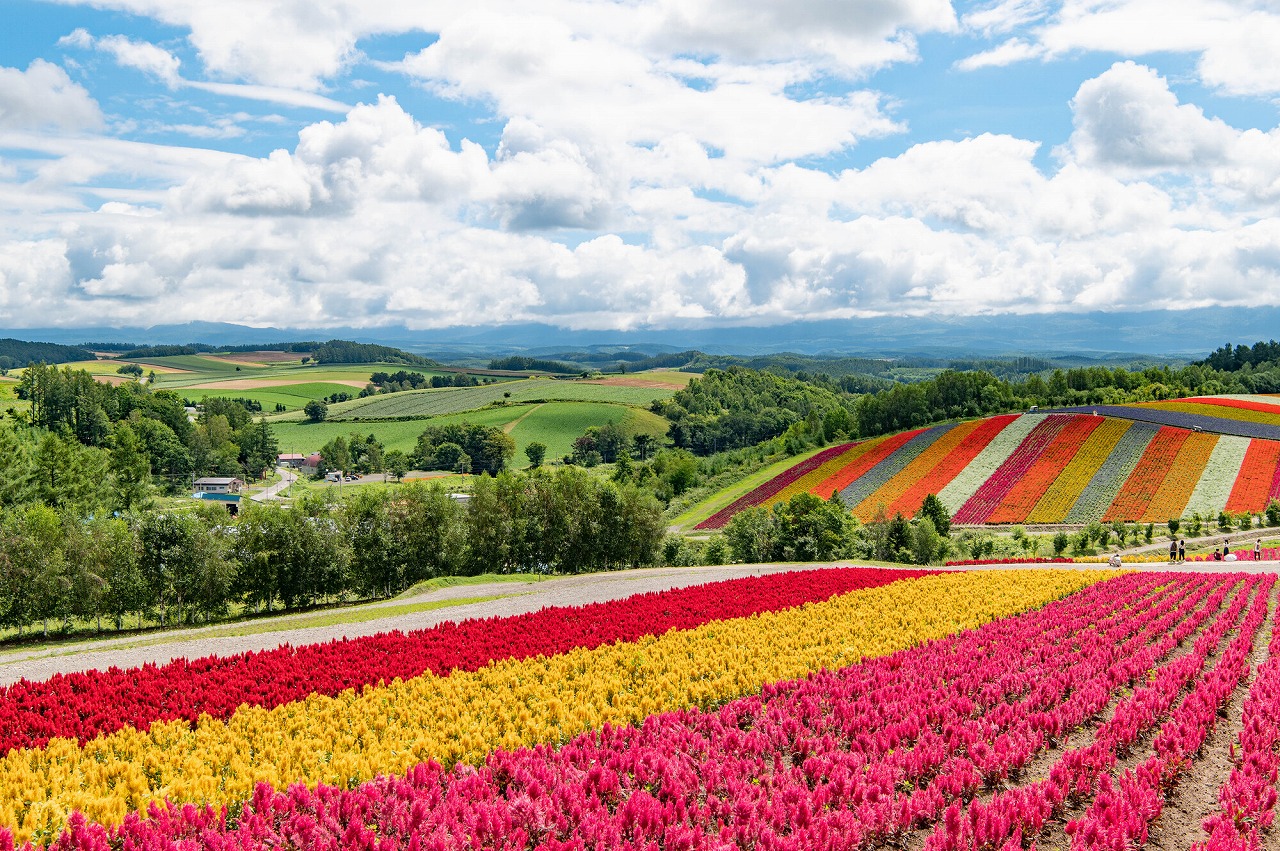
(263, 383)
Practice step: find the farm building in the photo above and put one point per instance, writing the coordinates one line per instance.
(293, 460)
(218, 484)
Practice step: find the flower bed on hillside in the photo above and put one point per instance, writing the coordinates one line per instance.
(82, 706)
(459, 721)
(1077, 717)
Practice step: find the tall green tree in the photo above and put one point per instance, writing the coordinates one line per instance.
(130, 467)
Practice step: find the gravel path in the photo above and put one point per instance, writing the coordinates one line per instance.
(515, 598)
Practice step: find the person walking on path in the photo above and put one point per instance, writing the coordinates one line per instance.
(1257, 550)
(1173, 552)
(1182, 549)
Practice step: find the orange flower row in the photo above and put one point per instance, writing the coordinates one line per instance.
(1255, 484)
(950, 465)
(1173, 494)
(893, 490)
(845, 476)
(1026, 494)
(1153, 468)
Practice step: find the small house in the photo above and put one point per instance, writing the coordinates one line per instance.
(292, 460)
(218, 484)
(311, 464)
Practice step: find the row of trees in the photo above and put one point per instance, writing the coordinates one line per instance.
(807, 528)
(169, 567)
(738, 407)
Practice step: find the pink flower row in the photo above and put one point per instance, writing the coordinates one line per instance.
(1025, 560)
(1267, 554)
(1121, 815)
(841, 757)
(1023, 811)
(1248, 797)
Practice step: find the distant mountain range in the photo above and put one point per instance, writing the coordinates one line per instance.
(1177, 333)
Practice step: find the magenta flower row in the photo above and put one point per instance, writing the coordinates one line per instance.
(1022, 812)
(843, 758)
(1122, 813)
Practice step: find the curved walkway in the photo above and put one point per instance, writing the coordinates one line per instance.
(509, 599)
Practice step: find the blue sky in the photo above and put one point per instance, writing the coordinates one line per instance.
(654, 164)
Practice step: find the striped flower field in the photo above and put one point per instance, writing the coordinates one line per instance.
(873, 709)
(1056, 467)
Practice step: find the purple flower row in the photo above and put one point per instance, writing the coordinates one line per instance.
(1179, 419)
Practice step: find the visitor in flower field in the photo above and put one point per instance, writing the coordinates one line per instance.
(1257, 550)
(1182, 550)
(1226, 547)
(1173, 551)
(1217, 554)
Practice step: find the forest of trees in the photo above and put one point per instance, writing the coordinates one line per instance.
(737, 407)
(345, 351)
(730, 409)
(15, 354)
(57, 567)
(93, 445)
(516, 363)
(464, 448)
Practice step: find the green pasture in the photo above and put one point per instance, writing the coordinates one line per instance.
(451, 400)
(197, 364)
(556, 424)
(292, 396)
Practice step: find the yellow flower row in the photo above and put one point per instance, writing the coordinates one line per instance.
(385, 730)
(1065, 491)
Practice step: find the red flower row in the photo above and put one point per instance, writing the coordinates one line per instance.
(85, 705)
(994, 490)
(840, 759)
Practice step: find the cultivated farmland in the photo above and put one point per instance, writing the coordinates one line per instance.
(555, 424)
(452, 400)
(1054, 467)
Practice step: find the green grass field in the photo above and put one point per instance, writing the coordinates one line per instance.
(451, 400)
(556, 424)
(292, 396)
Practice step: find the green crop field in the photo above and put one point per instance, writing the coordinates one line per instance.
(197, 364)
(450, 400)
(292, 396)
(556, 424)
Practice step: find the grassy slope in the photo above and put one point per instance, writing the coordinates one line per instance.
(713, 503)
(292, 396)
